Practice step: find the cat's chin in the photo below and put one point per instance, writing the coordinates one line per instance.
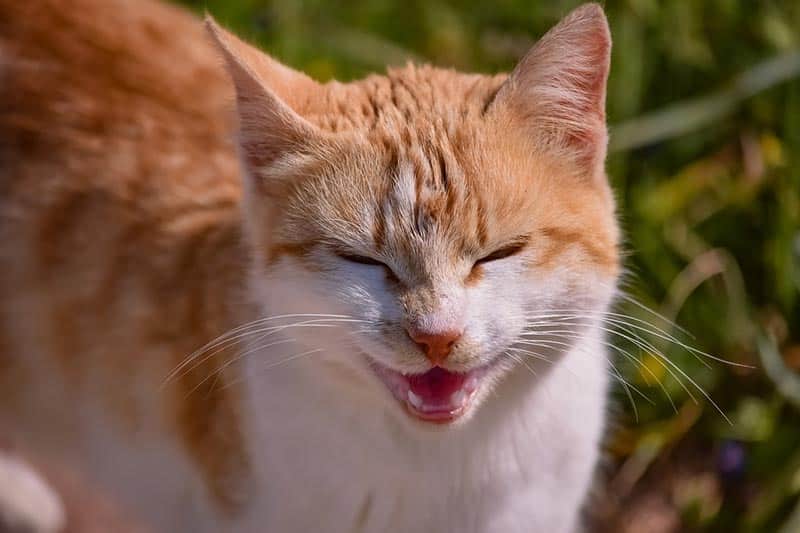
(437, 396)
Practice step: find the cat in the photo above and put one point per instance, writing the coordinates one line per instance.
(242, 300)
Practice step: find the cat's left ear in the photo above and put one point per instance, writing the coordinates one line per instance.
(268, 96)
(557, 92)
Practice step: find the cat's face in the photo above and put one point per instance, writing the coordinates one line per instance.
(441, 217)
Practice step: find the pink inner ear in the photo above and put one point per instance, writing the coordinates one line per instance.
(266, 90)
(558, 89)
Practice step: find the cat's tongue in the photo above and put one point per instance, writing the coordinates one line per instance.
(438, 395)
(436, 386)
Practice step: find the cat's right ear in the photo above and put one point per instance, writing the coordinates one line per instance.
(266, 91)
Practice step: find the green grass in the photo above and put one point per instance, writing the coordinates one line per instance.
(704, 102)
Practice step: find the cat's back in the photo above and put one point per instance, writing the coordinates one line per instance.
(108, 94)
(119, 210)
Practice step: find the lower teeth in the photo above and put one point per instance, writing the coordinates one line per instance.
(457, 401)
(415, 400)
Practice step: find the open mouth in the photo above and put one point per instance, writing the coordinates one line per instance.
(437, 395)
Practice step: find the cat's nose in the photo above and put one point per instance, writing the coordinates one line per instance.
(435, 344)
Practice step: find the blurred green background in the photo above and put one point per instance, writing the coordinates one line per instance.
(704, 107)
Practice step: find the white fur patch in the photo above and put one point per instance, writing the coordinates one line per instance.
(27, 503)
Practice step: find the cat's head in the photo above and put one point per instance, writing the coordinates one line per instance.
(418, 227)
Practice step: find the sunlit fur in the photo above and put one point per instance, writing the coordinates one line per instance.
(132, 238)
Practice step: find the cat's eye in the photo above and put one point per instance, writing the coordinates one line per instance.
(364, 260)
(502, 253)
(360, 259)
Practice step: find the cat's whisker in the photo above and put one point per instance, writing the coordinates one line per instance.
(263, 320)
(537, 356)
(265, 335)
(217, 371)
(534, 355)
(630, 299)
(637, 361)
(627, 388)
(639, 324)
(656, 332)
(264, 332)
(694, 351)
(231, 334)
(615, 372)
(521, 361)
(664, 358)
(366, 330)
(569, 317)
(624, 322)
(581, 313)
(269, 366)
(575, 312)
(255, 349)
(651, 349)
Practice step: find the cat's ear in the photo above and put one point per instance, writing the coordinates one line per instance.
(267, 93)
(557, 91)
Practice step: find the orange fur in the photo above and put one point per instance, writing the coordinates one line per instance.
(121, 247)
(119, 216)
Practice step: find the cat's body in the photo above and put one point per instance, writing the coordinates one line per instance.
(123, 249)
(112, 269)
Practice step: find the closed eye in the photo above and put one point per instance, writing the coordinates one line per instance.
(360, 259)
(502, 253)
(364, 260)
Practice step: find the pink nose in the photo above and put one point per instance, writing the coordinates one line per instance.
(436, 345)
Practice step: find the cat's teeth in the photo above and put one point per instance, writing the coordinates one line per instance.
(458, 398)
(414, 400)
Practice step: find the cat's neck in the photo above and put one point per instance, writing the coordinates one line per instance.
(351, 442)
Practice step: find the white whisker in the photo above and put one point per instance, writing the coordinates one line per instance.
(228, 343)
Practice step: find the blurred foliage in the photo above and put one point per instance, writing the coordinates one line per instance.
(704, 102)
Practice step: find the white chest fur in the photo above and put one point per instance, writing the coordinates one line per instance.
(523, 463)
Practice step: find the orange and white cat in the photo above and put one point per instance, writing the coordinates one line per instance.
(408, 273)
